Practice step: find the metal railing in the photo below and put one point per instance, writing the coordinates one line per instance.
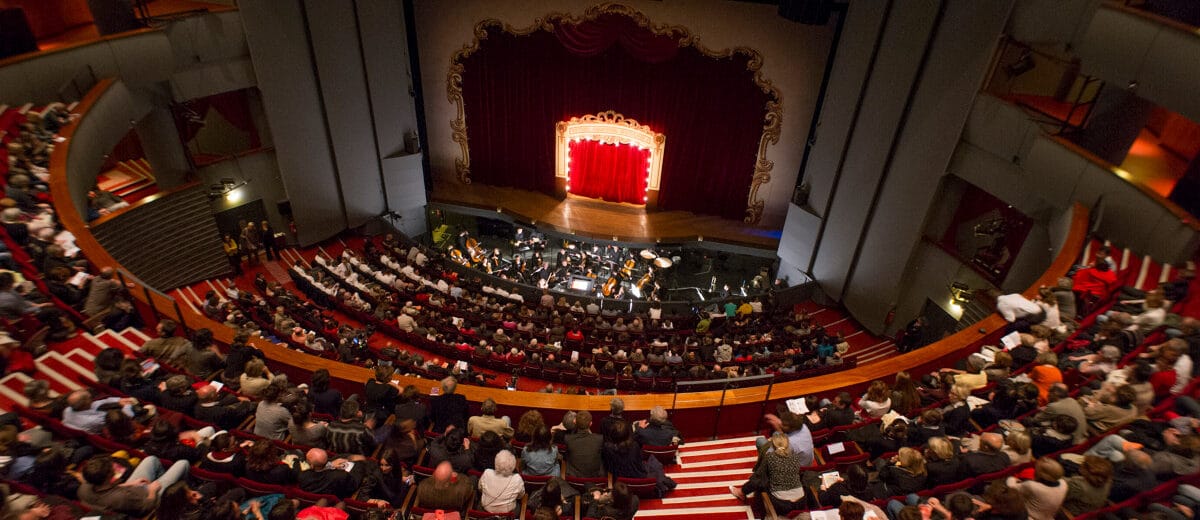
(725, 385)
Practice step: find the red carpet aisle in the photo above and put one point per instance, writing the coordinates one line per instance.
(69, 363)
(705, 472)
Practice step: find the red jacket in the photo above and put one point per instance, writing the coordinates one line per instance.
(1094, 282)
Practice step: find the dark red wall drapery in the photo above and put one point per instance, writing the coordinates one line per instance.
(233, 106)
(515, 88)
(612, 172)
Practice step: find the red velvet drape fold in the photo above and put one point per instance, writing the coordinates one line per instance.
(612, 172)
(233, 106)
(593, 37)
(516, 88)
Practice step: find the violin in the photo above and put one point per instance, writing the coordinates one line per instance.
(457, 256)
(627, 270)
(609, 286)
(643, 280)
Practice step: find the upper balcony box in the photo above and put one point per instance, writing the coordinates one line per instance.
(1157, 57)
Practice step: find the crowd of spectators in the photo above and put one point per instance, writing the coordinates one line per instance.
(405, 293)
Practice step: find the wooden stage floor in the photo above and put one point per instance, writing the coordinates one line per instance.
(604, 220)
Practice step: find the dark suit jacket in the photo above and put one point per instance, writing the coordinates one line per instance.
(583, 455)
(226, 415)
(655, 434)
(978, 463)
(334, 482)
(833, 417)
(445, 410)
(380, 399)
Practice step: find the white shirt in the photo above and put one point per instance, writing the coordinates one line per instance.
(1183, 373)
(1053, 317)
(1149, 319)
(1014, 306)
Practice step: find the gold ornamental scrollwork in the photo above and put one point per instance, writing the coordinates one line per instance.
(608, 127)
(771, 123)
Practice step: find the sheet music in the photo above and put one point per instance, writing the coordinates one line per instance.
(797, 406)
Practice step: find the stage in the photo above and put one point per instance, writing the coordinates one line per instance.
(601, 220)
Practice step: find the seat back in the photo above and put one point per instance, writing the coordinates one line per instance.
(642, 487)
(667, 455)
(582, 484)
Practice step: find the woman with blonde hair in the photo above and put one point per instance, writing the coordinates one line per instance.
(903, 474)
(1018, 447)
(956, 417)
(783, 480)
(254, 378)
(878, 401)
(941, 462)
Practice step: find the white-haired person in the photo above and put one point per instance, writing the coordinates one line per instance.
(658, 430)
(502, 487)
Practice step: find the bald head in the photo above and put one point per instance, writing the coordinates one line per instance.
(317, 458)
(443, 472)
(79, 400)
(1139, 459)
(206, 393)
(991, 442)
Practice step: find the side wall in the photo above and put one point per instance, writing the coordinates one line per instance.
(335, 89)
(902, 86)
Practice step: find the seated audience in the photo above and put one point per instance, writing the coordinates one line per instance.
(501, 487)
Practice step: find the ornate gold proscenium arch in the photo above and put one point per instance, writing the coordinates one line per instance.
(608, 127)
(772, 122)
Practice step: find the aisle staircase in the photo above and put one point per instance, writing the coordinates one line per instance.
(131, 180)
(704, 474)
(68, 363)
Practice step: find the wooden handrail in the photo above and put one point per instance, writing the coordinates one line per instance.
(957, 344)
(143, 202)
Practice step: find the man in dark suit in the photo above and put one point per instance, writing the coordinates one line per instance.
(839, 413)
(448, 409)
(224, 410)
(330, 479)
(657, 431)
(583, 449)
(987, 459)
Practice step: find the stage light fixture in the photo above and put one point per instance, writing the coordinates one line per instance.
(960, 292)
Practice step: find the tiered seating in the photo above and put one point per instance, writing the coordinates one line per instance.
(441, 321)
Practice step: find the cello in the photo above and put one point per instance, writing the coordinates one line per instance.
(476, 253)
(609, 286)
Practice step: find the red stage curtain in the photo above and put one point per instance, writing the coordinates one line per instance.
(612, 172)
(516, 88)
(233, 106)
(593, 37)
